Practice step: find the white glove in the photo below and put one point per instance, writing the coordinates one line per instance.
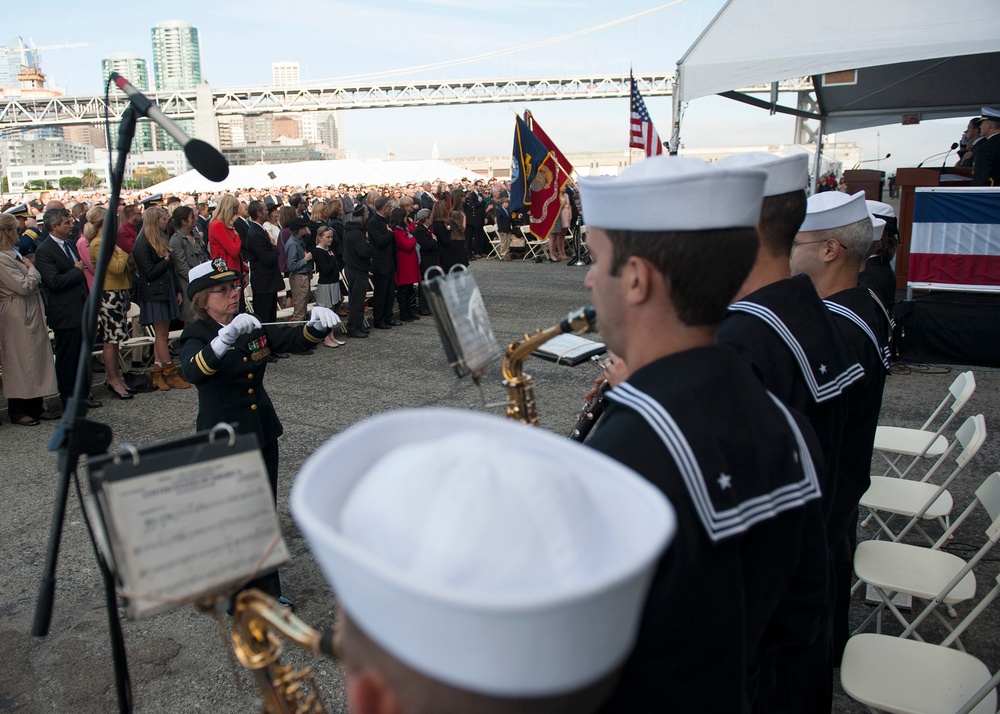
(323, 318)
(242, 324)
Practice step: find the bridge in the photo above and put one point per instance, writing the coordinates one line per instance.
(205, 101)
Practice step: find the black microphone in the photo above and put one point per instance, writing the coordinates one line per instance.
(204, 157)
(953, 147)
(940, 153)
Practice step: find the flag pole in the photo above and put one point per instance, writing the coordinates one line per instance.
(631, 83)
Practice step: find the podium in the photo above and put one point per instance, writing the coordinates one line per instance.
(908, 180)
(868, 180)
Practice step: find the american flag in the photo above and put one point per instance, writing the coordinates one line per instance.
(642, 133)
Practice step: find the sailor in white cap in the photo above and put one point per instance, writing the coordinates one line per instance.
(781, 328)
(832, 244)
(878, 275)
(672, 241)
(475, 577)
(986, 166)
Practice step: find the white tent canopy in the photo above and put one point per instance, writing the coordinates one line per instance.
(934, 58)
(317, 173)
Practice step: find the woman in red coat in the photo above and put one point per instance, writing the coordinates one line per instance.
(223, 240)
(407, 264)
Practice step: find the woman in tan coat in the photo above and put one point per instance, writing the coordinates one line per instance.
(28, 372)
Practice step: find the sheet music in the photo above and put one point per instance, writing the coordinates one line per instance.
(471, 322)
(184, 532)
(570, 349)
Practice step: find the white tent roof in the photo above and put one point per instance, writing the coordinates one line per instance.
(912, 49)
(325, 173)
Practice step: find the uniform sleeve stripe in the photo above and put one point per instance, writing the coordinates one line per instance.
(310, 336)
(200, 363)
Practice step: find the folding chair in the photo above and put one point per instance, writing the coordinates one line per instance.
(135, 345)
(901, 675)
(493, 236)
(918, 500)
(922, 443)
(928, 573)
(533, 247)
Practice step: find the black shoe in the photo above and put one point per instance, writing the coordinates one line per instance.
(49, 416)
(357, 333)
(92, 403)
(394, 323)
(271, 359)
(383, 326)
(425, 313)
(281, 355)
(408, 318)
(26, 421)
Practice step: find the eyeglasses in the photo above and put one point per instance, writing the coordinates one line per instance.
(808, 242)
(226, 289)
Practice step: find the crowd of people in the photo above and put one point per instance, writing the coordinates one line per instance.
(328, 244)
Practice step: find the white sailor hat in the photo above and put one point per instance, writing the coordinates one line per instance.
(510, 572)
(877, 208)
(878, 224)
(784, 173)
(833, 209)
(668, 193)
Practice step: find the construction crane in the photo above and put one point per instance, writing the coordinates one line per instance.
(24, 49)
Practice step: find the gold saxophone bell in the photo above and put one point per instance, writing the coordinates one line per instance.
(257, 621)
(520, 391)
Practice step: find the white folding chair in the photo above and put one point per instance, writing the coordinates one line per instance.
(898, 675)
(135, 346)
(928, 573)
(921, 500)
(494, 238)
(533, 247)
(923, 443)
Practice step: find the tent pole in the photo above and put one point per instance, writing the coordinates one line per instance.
(675, 130)
(819, 152)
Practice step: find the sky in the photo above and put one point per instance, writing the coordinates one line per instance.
(341, 40)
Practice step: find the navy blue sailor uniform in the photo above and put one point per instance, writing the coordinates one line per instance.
(787, 335)
(749, 555)
(866, 328)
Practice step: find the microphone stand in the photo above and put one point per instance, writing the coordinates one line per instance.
(76, 435)
(578, 259)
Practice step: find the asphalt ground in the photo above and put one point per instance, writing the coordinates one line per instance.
(180, 661)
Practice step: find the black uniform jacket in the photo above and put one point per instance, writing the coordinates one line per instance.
(264, 274)
(864, 329)
(231, 389)
(879, 277)
(738, 468)
(382, 242)
(357, 251)
(64, 285)
(788, 337)
(986, 165)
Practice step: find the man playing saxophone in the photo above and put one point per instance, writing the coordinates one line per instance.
(473, 577)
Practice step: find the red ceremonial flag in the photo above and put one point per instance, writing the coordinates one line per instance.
(546, 188)
(642, 133)
(563, 162)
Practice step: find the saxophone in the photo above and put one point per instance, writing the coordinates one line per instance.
(520, 390)
(256, 620)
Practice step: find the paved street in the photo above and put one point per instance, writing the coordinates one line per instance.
(179, 660)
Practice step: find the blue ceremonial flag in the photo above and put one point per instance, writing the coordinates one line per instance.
(529, 153)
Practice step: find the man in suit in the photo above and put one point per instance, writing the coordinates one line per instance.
(475, 219)
(265, 279)
(240, 224)
(65, 288)
(383, 266)
(203, 217)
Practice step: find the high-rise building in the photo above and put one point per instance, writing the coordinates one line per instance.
(17, 54)
(285, 74)
(176, 56)
(133, 68)
(129, 65)
(176, 66)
